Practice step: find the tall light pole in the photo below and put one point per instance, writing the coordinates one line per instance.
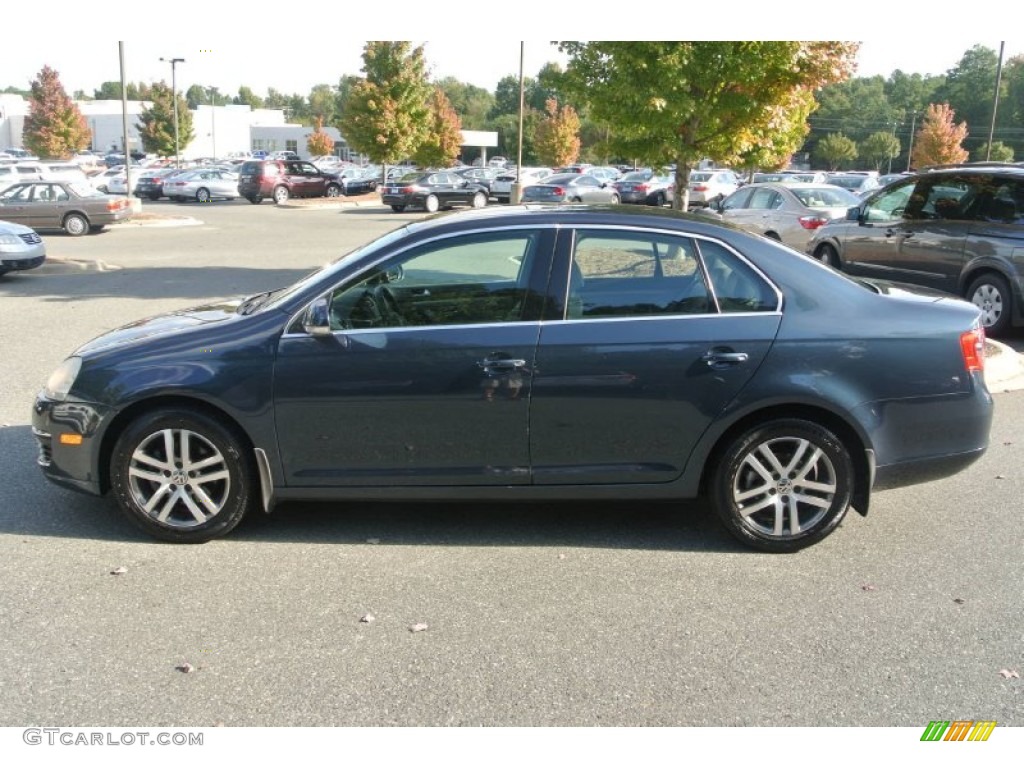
(174, 101)
(213, 120)
(995, 103)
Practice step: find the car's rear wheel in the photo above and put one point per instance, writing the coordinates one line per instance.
(281, 194)
(181, 475)
(154, 198)
(397, 208)
(991, 294)
(660, 200)
(783, 485)
(333, 190)
(616, 200)
(828, 256)
(479, 200)
(203, 195)
(255, 199)
(431, 204)
(75, 224)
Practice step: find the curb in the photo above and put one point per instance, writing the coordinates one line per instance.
(159, 221)
(319, 206)
(1004, 367)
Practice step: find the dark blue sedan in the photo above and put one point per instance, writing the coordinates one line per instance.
(532, 353)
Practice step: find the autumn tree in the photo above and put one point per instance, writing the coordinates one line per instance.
(443, 140)
(319, 143)
(683, 101)
(939, 141)
(386, 114)
(773, 147)
(557, 137)
(156, 126)
(54, 127)
(879, 147)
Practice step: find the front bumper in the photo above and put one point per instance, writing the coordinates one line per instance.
(12, 263)
(68, 438)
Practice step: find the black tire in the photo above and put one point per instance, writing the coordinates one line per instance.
(660, 200)
(991, 294)
(194, 511)
(203, 195)
(479, 200)
(397, 208)
(431, 204)
(255, 199)
(828, 256)
(616, 199)
(154, 198)
(75, 224)
(755, 500)
(281, 194)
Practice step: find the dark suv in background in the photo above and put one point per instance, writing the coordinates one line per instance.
(284, 179)
(959, 229)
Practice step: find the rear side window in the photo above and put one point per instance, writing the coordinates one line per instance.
(737, 286)
(1005, 203)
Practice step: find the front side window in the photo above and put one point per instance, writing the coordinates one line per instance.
(469, 280)
(890, 205)
(633, 274)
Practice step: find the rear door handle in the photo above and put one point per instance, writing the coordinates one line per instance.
(722, 358)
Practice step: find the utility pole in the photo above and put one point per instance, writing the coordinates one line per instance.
(910, 150)
(995, 102)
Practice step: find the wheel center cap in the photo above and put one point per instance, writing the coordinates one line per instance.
(179, 477)
(784, 485)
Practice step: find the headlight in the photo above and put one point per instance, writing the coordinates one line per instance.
(61, 380)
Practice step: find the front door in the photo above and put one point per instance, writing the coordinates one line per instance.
(427, 376)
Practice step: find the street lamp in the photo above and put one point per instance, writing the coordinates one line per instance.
(213, 119)
(174, 100)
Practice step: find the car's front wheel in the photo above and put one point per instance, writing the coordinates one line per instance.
(828, 256)
(431, 204)
(479, 200)
(281, 194)
(203, 195)
(991, 294)
(333, 190)
(182, 475)
(397, 208)
(75, 224)
(783, 485)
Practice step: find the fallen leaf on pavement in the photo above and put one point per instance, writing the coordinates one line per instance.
(368, 618)
(185, 667)
(418, 627)
(868, 587)
(118, 571)
(1008, 673)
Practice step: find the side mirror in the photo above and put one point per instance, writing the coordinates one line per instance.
(317, 320)
(853, 214)
(715, 205)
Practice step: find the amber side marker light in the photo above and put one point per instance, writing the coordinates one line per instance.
(972, 345)
(70, 439)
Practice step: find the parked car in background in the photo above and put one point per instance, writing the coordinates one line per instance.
(284, 179)
(571, 188)
(806, 177)
(888, 178)
(150, 183)
(705, 186)
(356, 180)
(101, 181)
(602, 353)
(124, 183)
(74, 207)
(8, 175)
(603, 172)
(788, 212)
(55, 171)
(501, 187)
(958, 229)
(20, 247)
(432, 192)
(858, 183)
(646, 187)
(483, 176)
(202, 185)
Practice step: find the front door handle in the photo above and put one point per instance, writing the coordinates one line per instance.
(724, 358)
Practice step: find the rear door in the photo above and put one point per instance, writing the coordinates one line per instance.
(660, 332)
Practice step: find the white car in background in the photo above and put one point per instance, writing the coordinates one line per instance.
(501, 187)
(101, 181)
(117, 184)
(711, 184)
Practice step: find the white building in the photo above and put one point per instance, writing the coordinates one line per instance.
(217, 131)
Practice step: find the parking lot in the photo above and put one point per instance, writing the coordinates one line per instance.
(536, 615)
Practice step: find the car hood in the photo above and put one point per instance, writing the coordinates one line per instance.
(11, 228)
(161, 325)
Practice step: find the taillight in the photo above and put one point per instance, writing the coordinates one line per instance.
(812, 222)
(410, 190)
(641, 187)
(700, 188)
(558, 191)
(972, 346)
